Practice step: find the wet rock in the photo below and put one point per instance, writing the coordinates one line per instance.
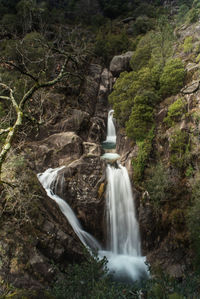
(120, 63)
(92, 149)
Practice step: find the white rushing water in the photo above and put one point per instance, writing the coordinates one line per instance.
(123, 253)
(111, 133)
(49, 180)
(124, 256)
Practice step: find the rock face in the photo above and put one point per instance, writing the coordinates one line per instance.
(120, 63)
(71, 136)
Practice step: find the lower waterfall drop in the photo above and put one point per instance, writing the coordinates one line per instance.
(125, 262)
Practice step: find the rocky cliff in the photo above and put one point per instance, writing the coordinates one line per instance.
(37, 236)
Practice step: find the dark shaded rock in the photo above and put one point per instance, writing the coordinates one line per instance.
(161, 115)
(56, 150)
(78, 121)
(88, 99)
(97, 130)
(80, 188)
(120, 63)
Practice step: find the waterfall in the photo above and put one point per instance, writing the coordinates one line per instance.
(123, 233)
(49, 180)
(111, 133)
(123, 252)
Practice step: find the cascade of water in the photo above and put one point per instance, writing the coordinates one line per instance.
(111, 133)
(123, 234)
(49, 180)
(124, 256)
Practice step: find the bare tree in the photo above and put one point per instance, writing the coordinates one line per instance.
(68, 56)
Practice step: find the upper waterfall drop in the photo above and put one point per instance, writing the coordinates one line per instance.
(111, 132)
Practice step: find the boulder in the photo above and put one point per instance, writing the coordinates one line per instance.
(57, 150)
(120, 63)
(97, 130)
(190, 88)
(77, 121)
(79, 185)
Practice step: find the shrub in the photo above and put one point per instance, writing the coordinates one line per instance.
(188, 45)
(140, 57)
(193, 220)
(109, 44)
(180, 149)
(140, 162)
(175, 111)
(172, 77)
(142, 25)
(192, 15)
(141, 118)
(159, 185)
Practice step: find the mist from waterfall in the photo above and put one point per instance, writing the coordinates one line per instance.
(123, 249)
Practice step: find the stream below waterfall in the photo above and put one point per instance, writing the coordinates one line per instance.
(123, 250)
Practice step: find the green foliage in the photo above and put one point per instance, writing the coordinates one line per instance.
(140, 162)
(193, 220)
(142, 25)
(141, 118)
(159, 185)
(90, 280)
(193, 15)
(141, 57)
(180, 149)
(109, 44)
(172, 77)
(126, 88)
(182, 12)
(188, 44)
(175, 111)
